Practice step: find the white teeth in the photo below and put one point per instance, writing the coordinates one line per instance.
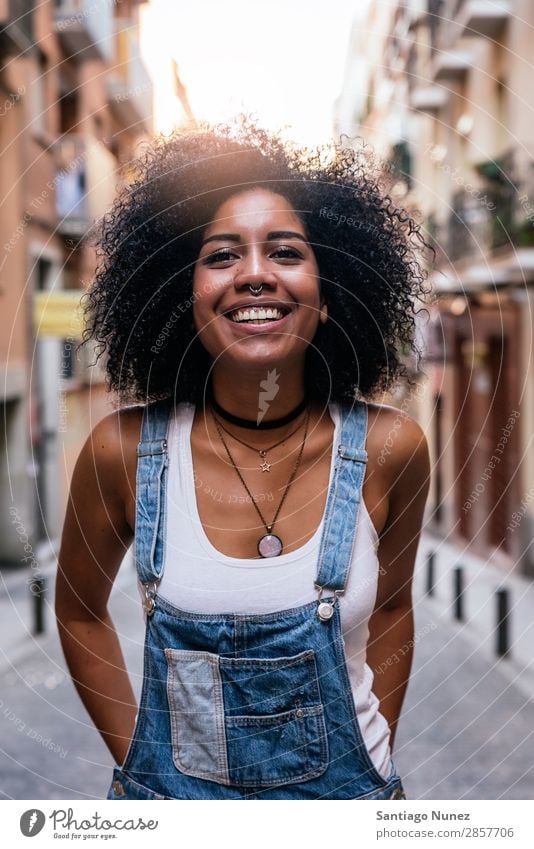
(257, 314)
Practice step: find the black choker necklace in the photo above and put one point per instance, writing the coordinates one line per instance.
(252, 425)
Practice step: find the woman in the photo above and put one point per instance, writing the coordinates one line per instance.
(250, 298)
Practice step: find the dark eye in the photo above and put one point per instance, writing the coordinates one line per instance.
(222, 255)
(285, 252)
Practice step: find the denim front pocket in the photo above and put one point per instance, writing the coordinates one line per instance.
(246, 721)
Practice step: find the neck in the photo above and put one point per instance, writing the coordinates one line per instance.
(270, 394)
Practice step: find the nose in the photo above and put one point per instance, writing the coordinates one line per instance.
(253, 269)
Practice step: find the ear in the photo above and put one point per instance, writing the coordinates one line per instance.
(323, 313)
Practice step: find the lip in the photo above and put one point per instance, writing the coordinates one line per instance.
(251, 329)
(268, 327)
(258, 304)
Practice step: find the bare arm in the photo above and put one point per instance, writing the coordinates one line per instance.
(390, 647)
(95, 537)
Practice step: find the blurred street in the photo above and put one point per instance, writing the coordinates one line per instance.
(466, 733)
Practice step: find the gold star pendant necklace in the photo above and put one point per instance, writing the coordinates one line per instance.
(269, 544)
(264, 466)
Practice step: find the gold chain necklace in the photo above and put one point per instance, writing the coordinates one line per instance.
(264, 466)
(269, 545)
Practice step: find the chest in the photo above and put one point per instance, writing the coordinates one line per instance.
(230, 512)
(237, 509)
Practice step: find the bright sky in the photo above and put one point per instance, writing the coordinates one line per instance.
(282, 60)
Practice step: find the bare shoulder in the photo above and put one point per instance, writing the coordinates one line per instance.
(396, 442)
(110, 448)
(117, 427)
(115, 433)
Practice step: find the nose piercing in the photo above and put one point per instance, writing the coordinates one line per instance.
(255, 290)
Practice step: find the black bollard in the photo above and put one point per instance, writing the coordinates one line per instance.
(38, 590)
(502, 646)
(430, 573)
(458, 593)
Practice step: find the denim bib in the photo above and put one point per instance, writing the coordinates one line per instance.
(238, 706)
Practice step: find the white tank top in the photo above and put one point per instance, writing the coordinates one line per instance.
(200, 579)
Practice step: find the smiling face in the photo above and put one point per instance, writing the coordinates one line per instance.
(256, 238)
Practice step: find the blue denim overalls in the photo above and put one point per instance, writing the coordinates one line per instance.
(238, 706)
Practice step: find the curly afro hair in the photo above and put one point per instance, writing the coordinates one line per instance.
(139, 308)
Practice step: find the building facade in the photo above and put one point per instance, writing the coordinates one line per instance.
(76, 102)
(444, 95)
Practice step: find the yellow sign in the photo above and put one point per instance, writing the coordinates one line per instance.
(59, 313)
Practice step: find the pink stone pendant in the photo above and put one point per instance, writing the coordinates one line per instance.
(270, 546)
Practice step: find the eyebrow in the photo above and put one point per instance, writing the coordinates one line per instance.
(271, 237)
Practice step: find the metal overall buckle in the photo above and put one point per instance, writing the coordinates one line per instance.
(325, 609)
(149, 601)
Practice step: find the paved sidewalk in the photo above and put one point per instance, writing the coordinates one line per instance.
(467, 730)
(482, 579)
(17, 612)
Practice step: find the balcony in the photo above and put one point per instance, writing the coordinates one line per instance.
(498, 215)
(430, 98)
(487, 19)
(85, 28)
(451, 65)
(16, 26)
(510, 186)
(444, 29)
(416, 13)
(129, 87)
(85, 183)
(469, 228)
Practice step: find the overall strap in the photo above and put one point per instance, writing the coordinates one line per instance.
(151, 482)
(343, 501)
